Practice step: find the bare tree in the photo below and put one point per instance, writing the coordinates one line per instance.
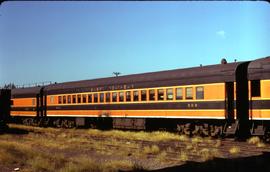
(9, 86)
(116, 73)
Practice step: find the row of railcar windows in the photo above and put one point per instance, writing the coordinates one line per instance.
(135, 95)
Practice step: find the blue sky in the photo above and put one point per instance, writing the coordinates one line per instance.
(67, 41)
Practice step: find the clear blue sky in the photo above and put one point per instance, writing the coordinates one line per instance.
(66, 41)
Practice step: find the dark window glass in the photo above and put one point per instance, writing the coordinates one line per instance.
(169, 92)
(89, 98)
(161, 94)
(114, 97)
(135, 96)
(121, 96)
(59, 100)
(108, 97)
(84, 98)
(64, 100)
(128, 96)
(151, 94)
(95, 98)
(79, 98)
(179, 93)
(69, 99)
(143, 95)
(189, 91)
(101, 97)
(255, 88)
(199, 93)
(73, 98)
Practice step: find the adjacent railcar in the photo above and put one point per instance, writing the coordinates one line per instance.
(4, 107)
(259, 95)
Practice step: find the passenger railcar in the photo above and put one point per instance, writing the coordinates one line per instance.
(209, 100)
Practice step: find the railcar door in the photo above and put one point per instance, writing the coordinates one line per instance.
(41, 103)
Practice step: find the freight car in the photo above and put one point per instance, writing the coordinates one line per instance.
(227, 98)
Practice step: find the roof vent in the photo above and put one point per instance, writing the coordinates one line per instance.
(223, 61)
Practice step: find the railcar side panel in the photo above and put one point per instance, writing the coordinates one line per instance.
(260, 105)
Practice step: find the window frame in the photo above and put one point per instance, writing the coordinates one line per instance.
(137, 95)
(143, 96)
(126, 93)
(197, 93)
(255, 88)
(176, 93)
(158, 94)
(187, 96)
(152, 94)
(169, 94)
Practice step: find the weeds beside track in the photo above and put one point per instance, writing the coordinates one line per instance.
(50, 149)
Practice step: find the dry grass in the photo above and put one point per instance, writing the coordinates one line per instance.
(183, 156)
(234, 150)
(256, 141)
(154, 149)
(130, 135)
(162, 156)
(62, 150)
(209, 154)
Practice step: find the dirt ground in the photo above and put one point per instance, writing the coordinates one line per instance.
(24, 148)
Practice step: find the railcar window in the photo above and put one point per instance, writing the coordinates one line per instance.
(199, 93)
(160, 94)
(79, 98)
(108, 97)
(69, 99)
(179, 93)
(121, 96)
(59, 100)
(189, 91)
(151, 94)
(143, 95)
(84, 98)
(135, 96)
(89, 98)
(169, 92)
(101, 97)
(128, 96)
(95, 98)
(114, 97)
(73, 98)
(64, 100)
(255, 88)
(52, 99)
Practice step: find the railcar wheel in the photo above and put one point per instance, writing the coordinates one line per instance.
(71, 123)
(64, 123)
(188, 129)
(205, 130)
(57, 123)
(26, 121)
(180, 128)
(215, 130)
(197, 130)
